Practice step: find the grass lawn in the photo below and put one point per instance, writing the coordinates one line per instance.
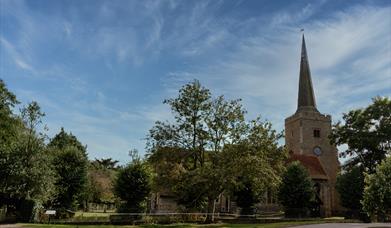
(219, 225)
(93, 214)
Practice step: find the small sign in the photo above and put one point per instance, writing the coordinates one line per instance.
(50, 212)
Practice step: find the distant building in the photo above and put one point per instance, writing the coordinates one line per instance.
(306, 137)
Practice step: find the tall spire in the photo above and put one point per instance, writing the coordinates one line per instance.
(306, 99)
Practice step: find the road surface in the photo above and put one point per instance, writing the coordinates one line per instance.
(346, 225)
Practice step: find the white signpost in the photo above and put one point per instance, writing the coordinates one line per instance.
(50, 212)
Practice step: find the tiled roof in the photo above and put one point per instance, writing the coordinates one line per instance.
(312, 164)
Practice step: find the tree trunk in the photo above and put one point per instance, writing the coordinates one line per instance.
(211, 210)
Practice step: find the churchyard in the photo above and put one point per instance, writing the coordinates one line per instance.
(219, 144)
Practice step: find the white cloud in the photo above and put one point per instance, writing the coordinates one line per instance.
(15, 55)
(255, 58)
(67, 29)
(349, 58)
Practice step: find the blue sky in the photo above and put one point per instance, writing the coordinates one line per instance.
(101, 69)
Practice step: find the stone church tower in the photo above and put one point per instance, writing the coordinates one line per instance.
(306, 137)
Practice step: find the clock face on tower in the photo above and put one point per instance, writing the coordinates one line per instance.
(317, 151)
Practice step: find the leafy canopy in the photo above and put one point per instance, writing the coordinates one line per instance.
(63, 139)
(350, 186)
(204, 151)
(70, 164)
(133, 186)
(367, 133)
(377, 193)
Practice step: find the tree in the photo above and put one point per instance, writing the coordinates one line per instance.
(367, 133)
(25, 174)
(246, 198)
(256, 155)
(350, 186)
(34, 171)
(7, 118)
(63, 140)
(201, 127)
(9, 126)
(377, 193)
(105, 163)
(190, 109)
(71, 167)
(133, 186)
(205, 133)
(100, 181)
(70, 164)
(296, 191)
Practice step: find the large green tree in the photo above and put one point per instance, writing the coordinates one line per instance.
(207, 135)
(190, 111)
(63, 140)
(377, 194)
(255, 164)
(133, 186)
(70, 164)
(26, 177)
(7, 118)
(35, 173)
(296, 191)
(367, 133)
(8, 136)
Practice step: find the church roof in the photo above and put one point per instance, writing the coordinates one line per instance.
(306, 98)
(312, 164)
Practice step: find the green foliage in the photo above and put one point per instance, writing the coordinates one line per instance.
(71, 166)
(296, 191)
(133, 186)
(377, 193)
(26, 173)
(254, 165)
(101, 176)
(7, 119)
(350, 186)
(168, 166)
(9, 126)
(63, 140)
(367, 133)
(191, 191)
(26, 170)
(190, 110)
(210, 148)
(104, 163)
(246, 198)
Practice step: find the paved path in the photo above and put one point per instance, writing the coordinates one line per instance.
(346, 225)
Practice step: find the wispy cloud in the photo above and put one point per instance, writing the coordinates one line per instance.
(102, 69)
(15, 55)
(349, 57)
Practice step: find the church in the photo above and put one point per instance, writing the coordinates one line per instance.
(306, 138)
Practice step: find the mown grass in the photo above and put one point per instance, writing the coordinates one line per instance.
(92, 214)
(178, 225)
